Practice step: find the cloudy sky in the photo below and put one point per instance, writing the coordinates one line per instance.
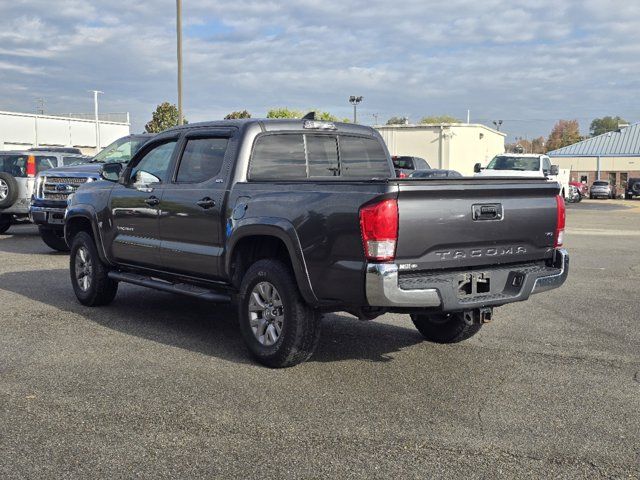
(528, 63)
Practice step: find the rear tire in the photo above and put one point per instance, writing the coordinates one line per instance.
(89, 276)
(54, 239)
(278, 327)
(445, 327)
(5, 223)
(8, 190)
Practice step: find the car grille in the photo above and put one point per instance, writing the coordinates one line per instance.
(59, 188)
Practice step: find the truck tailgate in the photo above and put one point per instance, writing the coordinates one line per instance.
(470, 222)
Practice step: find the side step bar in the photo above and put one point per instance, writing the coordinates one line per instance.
(179, 288)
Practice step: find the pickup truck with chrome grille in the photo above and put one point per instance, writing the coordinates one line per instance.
(290, 219)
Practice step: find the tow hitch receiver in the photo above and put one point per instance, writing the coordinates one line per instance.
(480, 315)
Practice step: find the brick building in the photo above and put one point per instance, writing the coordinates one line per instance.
(613, 156)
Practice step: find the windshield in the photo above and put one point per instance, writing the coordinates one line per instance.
(119, 151)
(405, 163)
(514, 163)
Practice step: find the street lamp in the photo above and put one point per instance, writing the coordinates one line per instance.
(354, 100)
(498, 124)
(95, 114)
(179, 52)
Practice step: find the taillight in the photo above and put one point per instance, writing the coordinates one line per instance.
(379, 229)
(31, 166)
(560, 222)
(402, 175)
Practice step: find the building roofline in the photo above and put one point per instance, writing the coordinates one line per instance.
(437, 125)
(58, 117)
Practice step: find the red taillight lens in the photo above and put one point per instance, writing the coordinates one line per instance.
(379, 229)
(31, 166)
(402, 175)
(560, 222)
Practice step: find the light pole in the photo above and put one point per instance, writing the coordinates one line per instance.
(498, 124)
(95, 114)
(179, 48)
(354, 100)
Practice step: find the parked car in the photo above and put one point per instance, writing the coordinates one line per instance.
(435, 173)
(406, 165)
(633, 188)
(601, 189)
(583, 188)
(54, 186)
(525, 165)
(294, 218)
(17, 179)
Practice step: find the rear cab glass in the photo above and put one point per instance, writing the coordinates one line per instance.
(403, 163)
(291, 156)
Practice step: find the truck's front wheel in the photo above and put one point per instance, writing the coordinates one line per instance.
(445, 327)
(89, 276)
(279, 328)
(54, 238)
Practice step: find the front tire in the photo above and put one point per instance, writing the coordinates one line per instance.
(278, 327)
(54, 239)
(445, 327)
(89, 276)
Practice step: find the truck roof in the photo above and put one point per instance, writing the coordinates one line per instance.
(276, 124)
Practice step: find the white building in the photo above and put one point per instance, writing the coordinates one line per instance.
(452, 146)
(19, 131)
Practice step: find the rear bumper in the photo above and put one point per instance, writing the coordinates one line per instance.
(385, 287)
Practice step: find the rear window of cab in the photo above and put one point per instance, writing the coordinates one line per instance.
(305, 156)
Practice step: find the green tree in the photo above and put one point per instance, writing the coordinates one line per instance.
(237, 114)
(165, 116)
(604, 125)
(397, 121)
(439, 119)
(284, 113)
(564, 132)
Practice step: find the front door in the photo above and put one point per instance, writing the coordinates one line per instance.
(134, 207)
(191, 220)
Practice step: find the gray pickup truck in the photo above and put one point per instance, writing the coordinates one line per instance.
(293, 218)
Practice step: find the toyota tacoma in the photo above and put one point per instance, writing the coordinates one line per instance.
(290, 219)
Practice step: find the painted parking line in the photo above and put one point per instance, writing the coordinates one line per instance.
(602, 232)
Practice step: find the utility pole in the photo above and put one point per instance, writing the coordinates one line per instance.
(95, 114)
(468, 117)
(375, 118)
(179, 47)
(355, 100)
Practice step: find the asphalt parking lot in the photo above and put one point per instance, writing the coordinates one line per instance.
(161, 386)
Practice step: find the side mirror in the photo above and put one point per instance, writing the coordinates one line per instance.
(554, 170)
(477, 167)
(111, 171)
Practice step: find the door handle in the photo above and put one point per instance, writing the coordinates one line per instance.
(152, 201)
(206, 203)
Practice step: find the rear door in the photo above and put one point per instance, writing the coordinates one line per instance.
(191, 218)
(473, 222)
(135, 206)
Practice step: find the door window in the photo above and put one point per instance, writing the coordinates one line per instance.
(546, 165)
(202, 159)
(153, 166)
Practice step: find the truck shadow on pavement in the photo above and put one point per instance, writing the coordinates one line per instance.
(25, 239)
(199, 326)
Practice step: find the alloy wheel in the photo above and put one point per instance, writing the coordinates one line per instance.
(84, 269)
(266, 313)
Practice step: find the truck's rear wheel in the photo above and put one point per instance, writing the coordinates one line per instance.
(445, 327)
(8, 190)
(5, 223)
(89, 278)
(54, 238)
(278, 327)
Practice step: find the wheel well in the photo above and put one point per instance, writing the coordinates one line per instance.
(250, 249)
(75, 226)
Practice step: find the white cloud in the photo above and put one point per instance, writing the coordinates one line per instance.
(527, 64)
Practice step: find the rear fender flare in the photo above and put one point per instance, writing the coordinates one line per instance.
(284, 231)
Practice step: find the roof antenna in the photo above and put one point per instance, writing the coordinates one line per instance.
(309, 116)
